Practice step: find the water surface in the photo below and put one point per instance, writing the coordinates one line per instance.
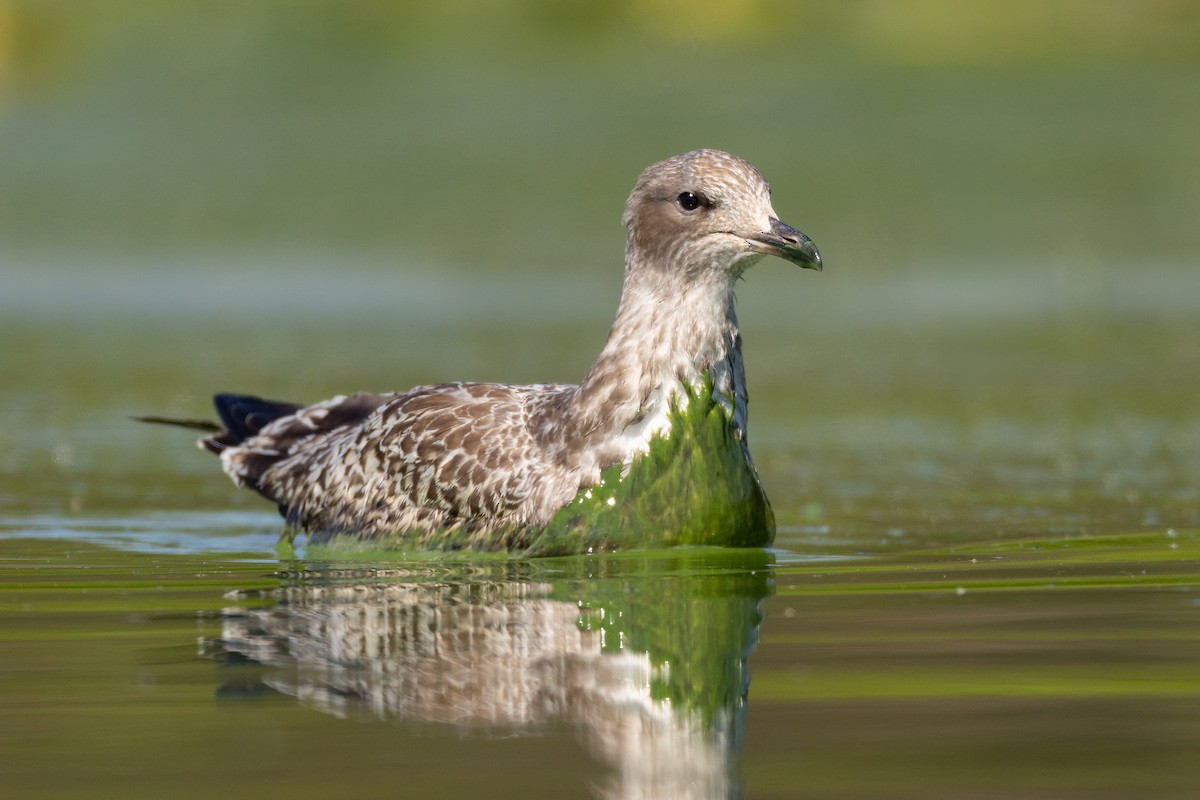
(986, 581)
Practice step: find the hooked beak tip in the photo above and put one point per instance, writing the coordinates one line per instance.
(810, 256)
(788, 243)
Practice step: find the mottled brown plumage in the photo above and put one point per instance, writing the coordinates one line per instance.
(492, 456)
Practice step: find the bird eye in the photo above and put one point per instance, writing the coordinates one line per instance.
(689, 201)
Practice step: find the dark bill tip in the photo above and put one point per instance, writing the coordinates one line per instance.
(788, 243)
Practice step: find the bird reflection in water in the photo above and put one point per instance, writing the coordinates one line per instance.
(645, 657)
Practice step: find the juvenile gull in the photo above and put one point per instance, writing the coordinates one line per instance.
(489, 465)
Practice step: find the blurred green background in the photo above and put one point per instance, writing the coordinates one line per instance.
(139, 139)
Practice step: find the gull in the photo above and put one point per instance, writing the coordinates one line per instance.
(648, 449)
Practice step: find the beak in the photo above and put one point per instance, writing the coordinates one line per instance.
(788, 243)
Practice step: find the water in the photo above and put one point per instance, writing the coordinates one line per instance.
(986, 583)
(1029, 671)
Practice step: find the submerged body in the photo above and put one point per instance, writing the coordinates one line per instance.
(655, 434)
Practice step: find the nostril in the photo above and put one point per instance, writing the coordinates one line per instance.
(787, 232)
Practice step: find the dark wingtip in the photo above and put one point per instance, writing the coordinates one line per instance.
(193, 424)
(245, 415)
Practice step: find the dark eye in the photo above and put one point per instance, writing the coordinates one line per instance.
(690, 201)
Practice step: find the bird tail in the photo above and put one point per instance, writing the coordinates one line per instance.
(242, 416)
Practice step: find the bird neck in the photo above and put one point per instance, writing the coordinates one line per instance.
(672, 330)
(666, 332)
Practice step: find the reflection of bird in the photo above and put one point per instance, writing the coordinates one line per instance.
(483, 457)
(493, 655)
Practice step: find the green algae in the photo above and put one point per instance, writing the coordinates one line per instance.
(694, 486)
(695, 615)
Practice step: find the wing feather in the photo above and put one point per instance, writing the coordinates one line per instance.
(433, 456)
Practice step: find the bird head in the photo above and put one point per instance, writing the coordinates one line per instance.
(706, 211)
